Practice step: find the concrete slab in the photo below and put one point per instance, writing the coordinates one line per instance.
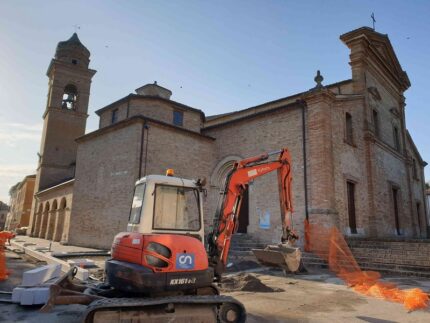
(34, 296)
(16, 294)
(40, 275)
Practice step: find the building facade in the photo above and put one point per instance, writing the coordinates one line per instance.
(355, 165)
(4, 210)
(21, 198)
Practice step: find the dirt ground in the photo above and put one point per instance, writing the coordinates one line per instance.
(314, 297)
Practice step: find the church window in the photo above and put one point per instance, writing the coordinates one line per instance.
(348, 129)
(178, 118)
(350, 190)
(396, 138)
(395, 194)
(69, 97)
(74, 61)
(114, 118)
(376, 122)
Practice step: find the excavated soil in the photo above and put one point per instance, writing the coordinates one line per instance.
(247, 283)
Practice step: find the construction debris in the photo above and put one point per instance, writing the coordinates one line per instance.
(40, 275)
(82, 273)
(246, 283)
(30, 296)
(81, 263)
(81, 254)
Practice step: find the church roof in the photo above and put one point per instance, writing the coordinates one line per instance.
(380, 46)
(72, 43)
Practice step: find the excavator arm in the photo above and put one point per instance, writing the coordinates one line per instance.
(226, 219)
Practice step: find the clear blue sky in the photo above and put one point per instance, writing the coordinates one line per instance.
(217, 56)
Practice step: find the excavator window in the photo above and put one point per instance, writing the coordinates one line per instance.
(176, 208)
(136, 207)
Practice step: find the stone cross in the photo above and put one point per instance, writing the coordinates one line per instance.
(373, 20)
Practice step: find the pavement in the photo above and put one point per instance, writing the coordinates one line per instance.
(318, 296)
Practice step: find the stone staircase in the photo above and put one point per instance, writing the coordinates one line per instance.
(241, 246)
(408, 258)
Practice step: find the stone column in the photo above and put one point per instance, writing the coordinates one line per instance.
(50, 224)
(43, 224)
(59, 223)
(66, 225)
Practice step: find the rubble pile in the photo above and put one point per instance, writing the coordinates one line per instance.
(247, 283)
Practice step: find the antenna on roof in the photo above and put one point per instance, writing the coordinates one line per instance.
(373, 20)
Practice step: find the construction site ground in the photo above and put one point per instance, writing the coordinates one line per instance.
(268, 295)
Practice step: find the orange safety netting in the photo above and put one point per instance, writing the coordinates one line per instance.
(4, 236)
(330, 245)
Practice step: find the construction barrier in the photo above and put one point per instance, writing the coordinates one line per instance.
(330, 245)
(4, 237)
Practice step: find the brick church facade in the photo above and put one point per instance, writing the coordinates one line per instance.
(354, 163)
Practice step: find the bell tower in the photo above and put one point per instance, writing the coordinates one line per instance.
(65, 115)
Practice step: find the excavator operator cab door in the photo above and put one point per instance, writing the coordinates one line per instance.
(167, 205)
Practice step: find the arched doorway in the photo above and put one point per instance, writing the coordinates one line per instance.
(59, 221)
(51, 221)
(217, 181)
(37, 221)
(44, 221)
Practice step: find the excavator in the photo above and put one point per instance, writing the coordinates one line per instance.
(160, 269)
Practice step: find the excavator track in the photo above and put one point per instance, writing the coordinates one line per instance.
(207, 308)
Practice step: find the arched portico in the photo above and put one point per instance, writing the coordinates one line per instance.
(37, 221)
(44, 222)
(51, 221)
(59, 220)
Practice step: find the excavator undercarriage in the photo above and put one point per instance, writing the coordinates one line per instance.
(106, 304)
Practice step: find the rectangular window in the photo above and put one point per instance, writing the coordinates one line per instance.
(349, 138)
(395, 192)
(178, 118)
(396, 138)
(114, 116)
(376, 123)
(176, 208)
(136, 206)
(350, 187)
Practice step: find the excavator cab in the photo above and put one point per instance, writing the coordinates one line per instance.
(163, 248)
(167, 204)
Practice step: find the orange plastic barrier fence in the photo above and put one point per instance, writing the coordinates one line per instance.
(330, 245)
(4, 237)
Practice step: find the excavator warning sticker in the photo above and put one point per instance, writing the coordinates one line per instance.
(185, 261)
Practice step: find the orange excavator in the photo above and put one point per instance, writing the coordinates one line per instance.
(160, 268)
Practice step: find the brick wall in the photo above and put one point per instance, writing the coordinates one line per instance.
(253, 136)
(105, 176)
(154, 108)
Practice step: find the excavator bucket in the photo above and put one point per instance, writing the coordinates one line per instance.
(282, 256)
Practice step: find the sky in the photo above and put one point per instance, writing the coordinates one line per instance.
(217, 56)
